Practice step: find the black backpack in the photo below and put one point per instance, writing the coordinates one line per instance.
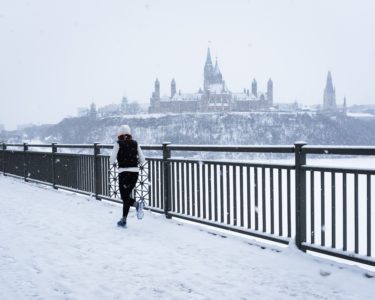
(127, 155)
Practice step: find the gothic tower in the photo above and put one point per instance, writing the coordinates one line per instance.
(270, 91)
(173, 88)
(157, 89)
(155, 98)
(208, 71)
(124, 104)
(329, 100)
(218, 77)
(254, 88)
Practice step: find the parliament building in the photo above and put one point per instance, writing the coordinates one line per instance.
(214, 97)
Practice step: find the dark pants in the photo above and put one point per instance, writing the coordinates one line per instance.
(127, 181)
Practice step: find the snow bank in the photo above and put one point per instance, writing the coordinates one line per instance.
(58, 245)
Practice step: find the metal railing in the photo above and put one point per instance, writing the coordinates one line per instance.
(339, 202)
(322, 208)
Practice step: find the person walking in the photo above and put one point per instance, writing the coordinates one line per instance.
(129, 156)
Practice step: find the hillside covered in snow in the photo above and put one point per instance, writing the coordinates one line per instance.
(219, 128)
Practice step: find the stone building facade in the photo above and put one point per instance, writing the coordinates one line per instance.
(214, 97)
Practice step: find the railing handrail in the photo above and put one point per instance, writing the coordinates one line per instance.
(143, 146)
(13, 145)
(81, 146)
(341, 150)
(37, 145)
(308, 149)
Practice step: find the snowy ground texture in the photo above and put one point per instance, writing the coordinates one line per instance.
(58, 245)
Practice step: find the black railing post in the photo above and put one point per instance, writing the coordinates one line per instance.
(97, 172)
(25, 149)
(54, 151)
(4, 149)
(300, 182)
(166, 180)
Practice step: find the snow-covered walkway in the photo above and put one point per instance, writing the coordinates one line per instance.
(58, 245)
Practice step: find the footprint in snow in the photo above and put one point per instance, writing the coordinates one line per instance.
(324, 273)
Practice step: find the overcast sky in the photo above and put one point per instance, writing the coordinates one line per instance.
(57, 56)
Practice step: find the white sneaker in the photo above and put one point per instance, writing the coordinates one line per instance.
(139, 206)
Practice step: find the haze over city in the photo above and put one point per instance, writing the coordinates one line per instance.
(58, 56)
